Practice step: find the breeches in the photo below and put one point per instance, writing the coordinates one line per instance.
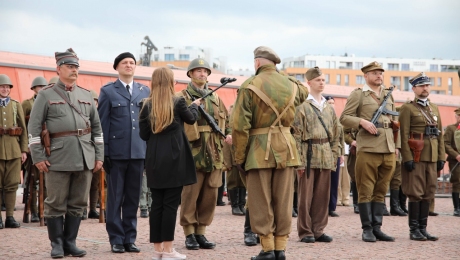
(420, 183)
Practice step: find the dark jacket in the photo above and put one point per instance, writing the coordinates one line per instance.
(169, 162)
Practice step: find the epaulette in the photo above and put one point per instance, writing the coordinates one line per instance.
(48, 86)
(14, 100)
(108, 83)
(356, 89)
(83, 88)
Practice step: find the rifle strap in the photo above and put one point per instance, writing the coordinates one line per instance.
(429, 120)
(71, 105)
(322, 123)
(269, 103)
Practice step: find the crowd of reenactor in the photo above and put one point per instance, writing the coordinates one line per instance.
(281, 145)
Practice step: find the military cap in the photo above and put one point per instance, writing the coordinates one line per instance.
(38, 81)
(5, 80)
(313, 73)
(457, 111)
(267, 53)
(121, 57)
(94, 94)
(372, 66)
(420, 79)
(67, 57)
(54, 80)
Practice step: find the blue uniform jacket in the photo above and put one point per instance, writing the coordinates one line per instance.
(119, 114)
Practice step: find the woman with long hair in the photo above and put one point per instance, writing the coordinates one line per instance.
(169, 162)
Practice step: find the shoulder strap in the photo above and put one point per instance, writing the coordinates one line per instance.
(322, 122)
(15, 113)
(72, 105)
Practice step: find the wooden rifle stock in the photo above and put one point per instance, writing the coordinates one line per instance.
(41, 199)
(102, 196)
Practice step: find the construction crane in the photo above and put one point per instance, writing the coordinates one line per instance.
(149, 44)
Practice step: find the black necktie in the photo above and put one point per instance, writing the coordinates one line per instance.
(127, 88)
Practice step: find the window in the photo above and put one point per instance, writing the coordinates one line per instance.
(359, 80)
(328, 64)
(434, 67)
(346, 80)
(184, 56)
(337, 79)
(326, 76)
(439, 81)
(332, 65)
(299, 77)
(444, 68)
(449, 83)
(393, 66)
(405, 67)
(432, 81)
(407, 86)
(396, 81)
(311, 63)
(299, 64)
(169, 57)
(358, 65)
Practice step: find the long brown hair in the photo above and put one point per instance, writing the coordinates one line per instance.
(161, 99)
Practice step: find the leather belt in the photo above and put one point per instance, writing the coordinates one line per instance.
(78, 132)
(318, 141)
(383, 125)
(419, 136)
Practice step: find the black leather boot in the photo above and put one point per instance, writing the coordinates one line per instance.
(402, 200)
(250, 239)
(377, 219)
(204, 243)
(235, 202)
(354, 194)
(34, 218)
(220, 195)
(395, 209)
(1, 222)
(242, 199)
(456, 201)
(423, 220)
(280, 255)
(385, 210)
(414, 215)
(295, 208)
(85, 214)
(55, 228)
(71, 226)
(10, 222)
(269, 255)
(365, 214)
(190, 242)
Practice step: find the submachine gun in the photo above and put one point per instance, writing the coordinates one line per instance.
(209, 119)
(382, 110)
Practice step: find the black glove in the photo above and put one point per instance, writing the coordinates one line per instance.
(240, 168)
(440, 165)
(409, 165)
(107, 164)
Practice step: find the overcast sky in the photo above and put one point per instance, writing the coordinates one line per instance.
(100, 29)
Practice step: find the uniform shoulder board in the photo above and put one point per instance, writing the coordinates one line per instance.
(108, 83)
(409, 101)
(356, 89)
(84, 88)
(48, 86)
(14, 100)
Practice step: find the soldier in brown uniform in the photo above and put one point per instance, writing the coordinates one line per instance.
(453, 158)
(316, 133)
(375, 158)
(263, 113)
(37, 84)
(422, 149)
(350, 139)
(13, 151)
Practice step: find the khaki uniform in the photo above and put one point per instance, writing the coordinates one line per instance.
(11, 149)
(198, 200)
(314, 191)
(420, 183)
(349, 137)
(269, 157)
(72, 157)
(452, 153)
(343, 191)
(375, 160)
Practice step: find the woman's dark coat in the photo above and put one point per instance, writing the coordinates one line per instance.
(169, 162)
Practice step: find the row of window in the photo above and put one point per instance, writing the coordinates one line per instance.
(170, 57)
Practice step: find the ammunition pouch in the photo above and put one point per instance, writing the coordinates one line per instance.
(193, 131)
(416, 146)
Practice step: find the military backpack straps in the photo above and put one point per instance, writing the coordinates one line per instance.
(284, 130)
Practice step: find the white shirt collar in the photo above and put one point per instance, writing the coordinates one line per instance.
(319, 105)
(367, 88)
(130, 86)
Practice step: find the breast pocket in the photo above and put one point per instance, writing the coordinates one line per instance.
(85, 107)
(120, 108)
(57, 108)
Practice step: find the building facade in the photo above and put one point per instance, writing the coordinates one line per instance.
(345, 70)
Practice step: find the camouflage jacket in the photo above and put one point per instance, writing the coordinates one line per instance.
(207, 150)
(251, 113)
(308, 126)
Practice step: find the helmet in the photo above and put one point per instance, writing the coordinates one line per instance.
(5, 80)
(198, 63)
(94, 94)
(54, 80)
(38, 81)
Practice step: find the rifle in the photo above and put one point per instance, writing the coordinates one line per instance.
(28, 189)
(383, 110)
(102, 196)
(309, 155)
(209, 119)
(41, 206)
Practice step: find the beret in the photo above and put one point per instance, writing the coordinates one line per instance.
(122, 56)
(267, 53)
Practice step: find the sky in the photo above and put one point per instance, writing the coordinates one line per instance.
(100, 30)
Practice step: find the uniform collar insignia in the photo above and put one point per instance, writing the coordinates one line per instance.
(4, 101)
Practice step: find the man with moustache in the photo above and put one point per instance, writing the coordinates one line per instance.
(124, 152)
(73, 155)
(423, 155)
(13, 140)
(316, 129)
(376, 149)
(264, 147)
(198, 201)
